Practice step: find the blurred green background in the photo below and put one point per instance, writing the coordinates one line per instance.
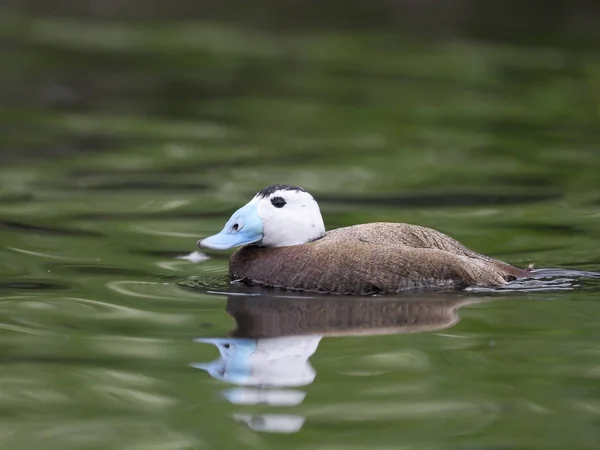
(129, 129)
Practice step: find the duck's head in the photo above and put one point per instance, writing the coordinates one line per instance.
(277, 216)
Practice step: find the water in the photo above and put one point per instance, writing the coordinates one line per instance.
(122, 144)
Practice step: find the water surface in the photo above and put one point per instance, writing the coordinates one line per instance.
(122, 144)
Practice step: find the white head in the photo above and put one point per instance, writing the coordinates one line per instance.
(277, 216)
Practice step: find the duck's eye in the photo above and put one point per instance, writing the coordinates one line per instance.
(235, 227)
(278, 202)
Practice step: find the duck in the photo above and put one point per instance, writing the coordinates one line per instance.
(284, 245)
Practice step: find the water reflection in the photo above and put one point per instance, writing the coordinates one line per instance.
(267, 354)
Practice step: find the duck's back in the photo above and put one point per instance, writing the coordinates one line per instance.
(371, 258)
(401, 234)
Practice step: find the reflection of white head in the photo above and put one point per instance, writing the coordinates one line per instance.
(277, 216)
(277, 362)
(272, 423)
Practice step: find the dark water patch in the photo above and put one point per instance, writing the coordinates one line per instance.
(540, 131)
(25, 227)
(159, 96)
(10, 199)
(154, 215)
(547, 228)
(16, 149)
(282, 91)
(435, 80)
(273, 160)
(31, 284)
(536, 22)
(525, 180)
(587, 263)
(254, 74)
(528, 251)
(136, 185)
(194, 169)
(259, 161)
(85, 174)
(169, 254)
(439, 200)
(99, 361)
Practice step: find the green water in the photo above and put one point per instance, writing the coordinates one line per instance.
(123, 144)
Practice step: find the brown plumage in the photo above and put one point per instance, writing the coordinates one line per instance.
(371, 258)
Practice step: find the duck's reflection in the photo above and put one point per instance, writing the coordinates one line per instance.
(267, 355)
(265, 367)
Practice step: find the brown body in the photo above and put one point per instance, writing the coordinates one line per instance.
(371, 258)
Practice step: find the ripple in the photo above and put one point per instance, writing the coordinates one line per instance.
(26, 330)
(546, 280)
(151, 290)
(134, 347)
(121, 389)
(111, 310)
(405, 360)
(558, 272)
(38, 229)
(114, 432)
(34, 253)
(215, 284)
(69, 305)
(128, 398)
(362, 411)
(17, 392)
(29, 284)
(50, 316)
(147, 230)
(97, 269)
(118, 377)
